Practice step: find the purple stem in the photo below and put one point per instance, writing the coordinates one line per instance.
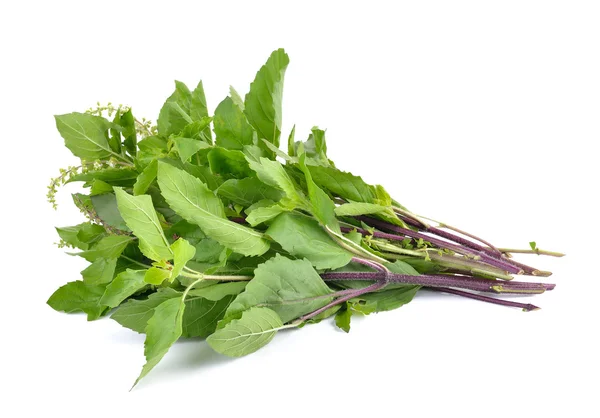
(525, 306)
(501, 264)
(452, 237)
(372, 264)
(463, 282)
(351, 295)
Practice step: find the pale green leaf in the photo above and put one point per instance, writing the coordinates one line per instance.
(243, 336)
(194, 202)
(183, 252)
(124, 285)
(145, 179)
(156, 275)
(108, 247)
(232, 130)
(263, 102)
(86, 135)
(101, 271)
(359, 208)
(140, 216)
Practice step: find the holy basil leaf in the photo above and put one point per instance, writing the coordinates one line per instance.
(218, 291)
(258, 215)
(163, 329)
(140, 216)
(291, 288)
(134, 314)
(182, 108)
(343, 184)
(193, 201)
(232, 130)
(124, 285)
(359, 208)
(156, 276)
(105, 206)
(272, 173)
(263, 102)
(387, 300)
(71, 234)
(78, 296)
(255, 329)
(302, 236)
(201, 315)
(342, 318)
(108, 247)
(101, 271)
(127, 122)
(248, 191)
(187, 147)
(86, 136)
(183, 252)
(229, 163)
(145, 178)
(322, 207)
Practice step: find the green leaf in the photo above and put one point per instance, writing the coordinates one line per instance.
(236, 98)
(186, 147)
(343, 184)
(218, 291)
(101, 271)
(387, 300)
(232, 130)
(229, 163)
(112, 176)
(302, 236)
(248, 191)
(183, 252)
(259, 215)
(359, 208)
(156, 276)
(255, 329)
(145, 179)
(134, 314)
(314, 147)
(98, 187)
(291, 288)
(201, 315)
(272, 173)
(114, 139)
(533, 245)
(141, 218)
(194, 202)
(342, 318)
(86, 136)
(78, 296)
(263, 102)
(124, 285)
(322, 207)
(182, 108)
(70, 234)
(127, 122)
(108, 247)
(163, 329)
(105, 206)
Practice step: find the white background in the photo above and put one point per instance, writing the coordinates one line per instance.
(482, 114)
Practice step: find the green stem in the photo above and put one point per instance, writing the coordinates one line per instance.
(214, 277)
(536, 251)
(348, 245)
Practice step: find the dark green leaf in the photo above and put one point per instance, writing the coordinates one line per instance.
(248, 191)
(145, 178)
(342, 318)
(105, 206)
(291, 288)
(302, 236)
(229, 163)
(134, 314)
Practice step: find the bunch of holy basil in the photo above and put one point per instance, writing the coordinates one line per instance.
(201, 226)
